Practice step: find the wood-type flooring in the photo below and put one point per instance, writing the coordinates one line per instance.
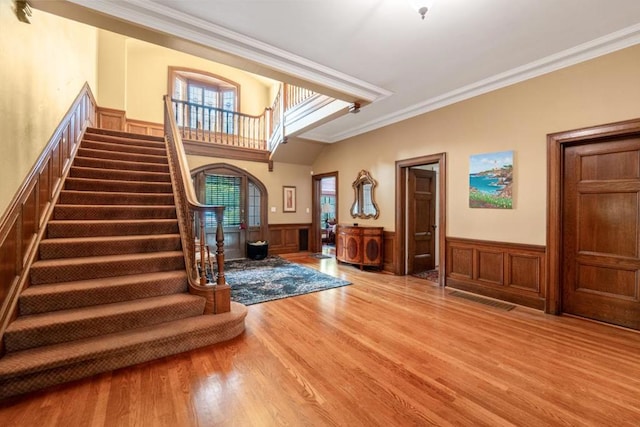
(385, 351)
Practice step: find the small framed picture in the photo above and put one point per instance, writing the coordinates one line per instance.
(288, 199)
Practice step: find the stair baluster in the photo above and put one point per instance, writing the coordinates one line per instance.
(191, 220)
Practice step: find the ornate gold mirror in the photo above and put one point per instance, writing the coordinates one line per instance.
(364, 204)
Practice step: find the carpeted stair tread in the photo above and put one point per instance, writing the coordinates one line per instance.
(109, 288)
(145, 143)
(44, 329)
(120, 175)
(82, 212)
(101, 152)
(90, 146)
(98, 163)
(79, 197)
(131, 186)
(91, 131)
(83, 293)
(28, 370)
(83, 228)
(71, 269)
(72, 247)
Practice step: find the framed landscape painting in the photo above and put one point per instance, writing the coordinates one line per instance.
(491, 180)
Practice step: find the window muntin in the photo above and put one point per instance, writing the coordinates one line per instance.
(204, 91)
(254, 197)
(224, 190)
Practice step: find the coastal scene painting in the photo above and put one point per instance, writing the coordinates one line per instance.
(491, 180)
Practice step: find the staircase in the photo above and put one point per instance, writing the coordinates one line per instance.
(109, 288)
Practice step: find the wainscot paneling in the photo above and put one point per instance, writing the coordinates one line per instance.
(22, 225)
(389, 241)
(144, 128)
(109, 118)
(506, 271)
(287, 238)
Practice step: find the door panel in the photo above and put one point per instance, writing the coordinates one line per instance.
(234, 242)
(421, 220)
(601, 236)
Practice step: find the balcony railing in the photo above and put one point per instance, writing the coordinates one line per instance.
(210, 124)
(219, 126)
(296, 95)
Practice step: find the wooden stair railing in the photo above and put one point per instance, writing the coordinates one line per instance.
(277, 121)
(24, 222)
(296, 95)
(209, 124)
(191, 214)
(195, 122)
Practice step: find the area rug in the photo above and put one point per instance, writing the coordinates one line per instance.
(431, 275)
(273, 278)
(321, 256)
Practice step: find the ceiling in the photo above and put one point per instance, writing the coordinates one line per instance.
(381, 53)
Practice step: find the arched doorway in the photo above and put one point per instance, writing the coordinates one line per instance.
(245, 199)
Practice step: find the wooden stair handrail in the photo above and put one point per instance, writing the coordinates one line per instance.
(190, 212)
(24, 223)
(248, 131)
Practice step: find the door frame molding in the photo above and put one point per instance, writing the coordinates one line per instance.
(556, 144)
(399, 255)
(316, 239)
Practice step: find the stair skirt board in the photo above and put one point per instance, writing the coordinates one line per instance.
(64, 363)
(109, 287)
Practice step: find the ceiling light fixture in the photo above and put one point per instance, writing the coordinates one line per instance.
(421, 6)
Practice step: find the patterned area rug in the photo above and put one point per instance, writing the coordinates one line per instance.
(431, 275)
(321, 256)
(272, 278)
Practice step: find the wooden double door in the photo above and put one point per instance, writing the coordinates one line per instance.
(600, 270)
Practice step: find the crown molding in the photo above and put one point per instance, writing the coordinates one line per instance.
(601, 46)
(160, 18)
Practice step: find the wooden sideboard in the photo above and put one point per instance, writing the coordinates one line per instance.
(360, 245)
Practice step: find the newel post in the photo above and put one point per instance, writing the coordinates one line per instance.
(222, 290)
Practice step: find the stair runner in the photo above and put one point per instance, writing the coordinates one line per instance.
(109, 287)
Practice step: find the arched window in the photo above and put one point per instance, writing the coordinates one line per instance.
(202, 89)
(244, 198)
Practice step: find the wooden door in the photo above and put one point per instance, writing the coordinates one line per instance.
(421, 220)
(234, 242)
(601, 231)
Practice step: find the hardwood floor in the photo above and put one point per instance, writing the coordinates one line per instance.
(387, 350)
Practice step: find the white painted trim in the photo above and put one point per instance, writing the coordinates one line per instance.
(601, 46)
(160, 18)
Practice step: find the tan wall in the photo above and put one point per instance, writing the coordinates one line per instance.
(43, 67)
(518, 118)
(283, 174)
(144, 81)
(112, 70)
